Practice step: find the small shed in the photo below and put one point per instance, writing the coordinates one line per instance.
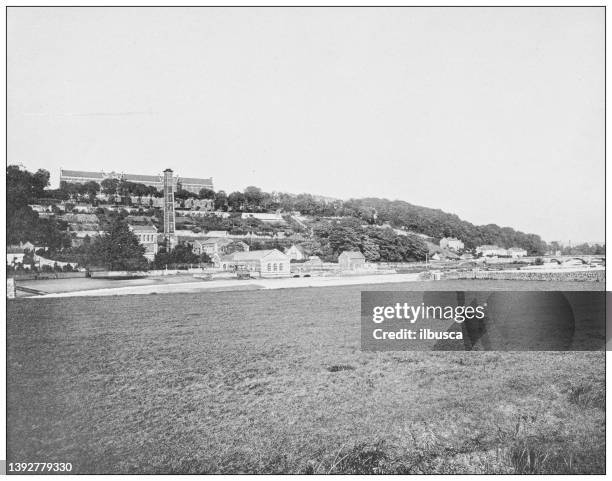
(351, 260)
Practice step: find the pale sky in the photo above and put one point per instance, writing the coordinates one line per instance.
(495, 114)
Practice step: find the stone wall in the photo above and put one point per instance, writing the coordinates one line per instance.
(598, 275)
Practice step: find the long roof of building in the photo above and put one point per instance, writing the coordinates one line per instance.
(193, 180)
(353, 254)
(143, 178)
(143, 228)
(134, 177)
(253, 255)
(81, 173)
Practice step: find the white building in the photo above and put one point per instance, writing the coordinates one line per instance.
(515, 252)
(264, 217)
(266, 263)
(14, 255)
(201, 205)
(451, 243)
(147, 237)
(218, 246)
(40, 209)
(351, 260)
(295, 253)
(491, 251)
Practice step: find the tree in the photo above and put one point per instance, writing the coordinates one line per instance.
(119, 248)
(91, 189)
(23, 187)
(221, 200)
(181, 254)
(207, 193)
(370, 249)
(253, 196)
(110, 186)
(236, 201)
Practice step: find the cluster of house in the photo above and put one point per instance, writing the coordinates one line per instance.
(15, 256)
(205, 206)
(200, 205)
(231, 254)
(274, 263)
(456, 246)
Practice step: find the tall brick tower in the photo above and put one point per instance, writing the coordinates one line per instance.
(169, 233)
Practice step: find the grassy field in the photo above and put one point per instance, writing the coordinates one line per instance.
(275, 382)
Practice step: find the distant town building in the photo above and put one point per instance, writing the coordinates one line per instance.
(517, 252)
(192, 213)
(491, 251)
(147, 237)
(82, 177)
(83, 207)
(40, 209)
(451, 243)
(14, 255)
(80, 218)
(81, 227)
(199, 204)
(190, 184)
(266, 263)
(351, 260)
(218, 246)
(313, 262)
(28, 245)
(295, 253)
(264, 217)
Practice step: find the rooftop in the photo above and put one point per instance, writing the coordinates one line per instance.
(193, 180)
(253, 255)
(142, 178)
(353, 254)
(143, 228)
(81, 173)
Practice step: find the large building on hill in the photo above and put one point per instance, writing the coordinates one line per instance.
(190, 184)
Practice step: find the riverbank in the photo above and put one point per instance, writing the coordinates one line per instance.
(187, 284)
(41, 289)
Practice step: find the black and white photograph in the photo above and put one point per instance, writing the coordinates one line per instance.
(305, 240)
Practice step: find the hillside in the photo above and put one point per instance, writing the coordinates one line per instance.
(438, 224)
(330, 225)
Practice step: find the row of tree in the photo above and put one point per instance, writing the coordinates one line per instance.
(375, 243)
(22, 223)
